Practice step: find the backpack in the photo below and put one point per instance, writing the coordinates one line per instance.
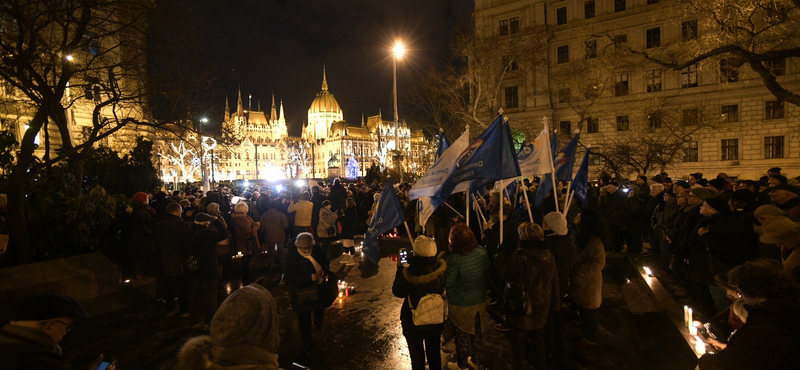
(430, 310)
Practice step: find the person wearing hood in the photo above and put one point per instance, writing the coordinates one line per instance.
(244, 334)
(425, 274)
(533, 267)
(768, 339)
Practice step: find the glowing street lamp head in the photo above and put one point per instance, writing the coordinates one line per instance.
(399, 49)
(69, 57)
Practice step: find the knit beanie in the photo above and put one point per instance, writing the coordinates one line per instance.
(424, 247)
(703, 193)
(140, 197)
(719, 204)
(556, 222)
(718, 184)
(657, 178)
(767, 210)
(249, 316)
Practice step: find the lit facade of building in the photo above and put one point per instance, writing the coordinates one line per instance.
(751, 132)
(256, 144)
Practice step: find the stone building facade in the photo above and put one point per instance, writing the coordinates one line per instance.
(749, 131)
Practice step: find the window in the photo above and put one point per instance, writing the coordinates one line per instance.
(653, 37)
(773, 147)
(620, 5)
(730, 149)
(651, 2)
(504, 27)
(565, 127)
(730, 113)
(653, 77)
(691, 117)
(588, 9)
(621, 84)
(563, 93)
(727, 71)
(512, 97)
(777, 66)
(591, 49)
(510, 65)
(561, 15)
(689, 76)
(514, 25)
(623, 124)
(562, 54)
(592, 125)
(773, 109)
(89, 43)
(689, 30)
(655, 119)
(690, 152)
(621, 40)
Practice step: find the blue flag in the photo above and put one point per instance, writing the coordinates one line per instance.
(581, 182)
(443, 145)
(491, 156)
(565, 160)
(545, 187)
(388, 215)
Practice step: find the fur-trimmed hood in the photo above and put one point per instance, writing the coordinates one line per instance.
(441, 268)
(198, 352)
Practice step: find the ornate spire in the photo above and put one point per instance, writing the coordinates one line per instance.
(239, 108)
(227, 109)
(324, 79)
(273, 116)
(259, 105)
(281, 117)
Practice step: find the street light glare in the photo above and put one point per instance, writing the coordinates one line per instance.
(69, 57)
(399, 49)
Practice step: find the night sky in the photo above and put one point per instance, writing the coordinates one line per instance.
(280, 46)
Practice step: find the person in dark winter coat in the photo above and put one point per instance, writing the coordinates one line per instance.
(337, 196)
(306, 267)
(201, 243)
(30, 340)
(586, 272)
(613, 207)
(244, 334)
(349, 221)
(769, 338)
(557, 237)
(533, 267)
(169, 233)
(424, 275)
(274, 225)
(140, 240)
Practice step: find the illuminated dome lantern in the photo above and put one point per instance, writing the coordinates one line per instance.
(323, 112)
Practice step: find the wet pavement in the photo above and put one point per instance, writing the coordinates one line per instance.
(363, 331)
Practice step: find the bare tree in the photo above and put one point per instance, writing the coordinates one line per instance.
(759, 33)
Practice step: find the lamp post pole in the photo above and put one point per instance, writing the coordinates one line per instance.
(398, 51)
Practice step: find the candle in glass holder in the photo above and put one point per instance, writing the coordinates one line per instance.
(693, 327)
(689, 320)
(699, 346)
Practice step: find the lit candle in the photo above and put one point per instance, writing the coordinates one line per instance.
(699, 346)
(648, 271)
(686, 316)
(689, 322)
(693, 330)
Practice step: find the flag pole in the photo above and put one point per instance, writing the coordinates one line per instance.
(502, 203)
(528, 205)
(410, 237)
(466, 197)
(481, 217)
(566, 201)
(454, 210)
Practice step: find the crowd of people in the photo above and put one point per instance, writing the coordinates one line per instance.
(732, 244)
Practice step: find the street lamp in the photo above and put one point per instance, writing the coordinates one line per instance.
(398, 51)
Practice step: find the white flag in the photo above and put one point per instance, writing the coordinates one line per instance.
(433, 179)
(426, 209)
(535, 158)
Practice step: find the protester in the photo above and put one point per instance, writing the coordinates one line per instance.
(245, 237)
(306, 267)
(586, 276)
(784, 233)
(349, 222)
(30, 340)
(424, 275)
(169, 233)
(303, 214)
(140, 238)
(200, 243)
(274, 226)
(244, 334)
(327, 230)
(467, 273)
(768, 340)
(532, 268)
(557, 237)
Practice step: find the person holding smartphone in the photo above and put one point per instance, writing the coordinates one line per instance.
(30, 340)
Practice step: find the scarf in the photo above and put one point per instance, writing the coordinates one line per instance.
(314, 262)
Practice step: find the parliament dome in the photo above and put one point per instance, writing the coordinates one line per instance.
(325, 102)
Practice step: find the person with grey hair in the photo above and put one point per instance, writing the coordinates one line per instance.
(244, 334)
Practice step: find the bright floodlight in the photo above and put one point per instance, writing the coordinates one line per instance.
(399, 49)
(204, 120)
(299, 183)
(279, 188)
(69, 57)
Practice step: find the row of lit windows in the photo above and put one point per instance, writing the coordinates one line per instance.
(590, 9)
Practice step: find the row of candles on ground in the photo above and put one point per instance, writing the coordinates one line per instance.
(692, 326)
